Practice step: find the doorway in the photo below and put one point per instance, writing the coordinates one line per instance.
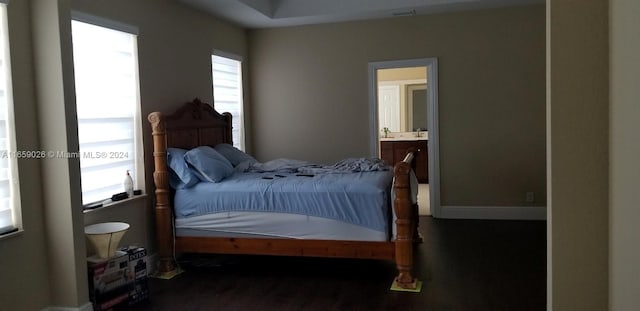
(403, 99)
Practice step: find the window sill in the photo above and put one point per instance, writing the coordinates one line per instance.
(116, 203)
(11, 235)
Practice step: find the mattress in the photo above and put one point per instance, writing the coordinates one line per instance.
(351, 206)
(274, 225)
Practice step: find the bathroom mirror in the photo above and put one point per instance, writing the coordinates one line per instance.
(402, 99)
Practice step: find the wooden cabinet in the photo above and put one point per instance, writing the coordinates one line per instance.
(394, 151)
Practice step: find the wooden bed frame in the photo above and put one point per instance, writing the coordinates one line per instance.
(197, 124)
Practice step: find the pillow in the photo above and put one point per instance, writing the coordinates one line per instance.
(208, 164)
(233, 154)
(180, 176)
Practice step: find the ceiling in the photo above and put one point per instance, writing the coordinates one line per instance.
(282, 13)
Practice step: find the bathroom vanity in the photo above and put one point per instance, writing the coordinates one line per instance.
(394, 148)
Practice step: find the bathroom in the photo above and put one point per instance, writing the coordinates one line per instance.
(402, 121)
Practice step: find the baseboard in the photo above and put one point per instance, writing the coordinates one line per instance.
(86, 307)
(494, 212)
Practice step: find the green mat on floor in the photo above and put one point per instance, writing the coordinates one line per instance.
(395, 287)
(167, 275)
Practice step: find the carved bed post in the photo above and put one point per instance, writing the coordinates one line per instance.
(405, 224)
(164, 217)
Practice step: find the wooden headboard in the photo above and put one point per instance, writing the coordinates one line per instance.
(192, 125)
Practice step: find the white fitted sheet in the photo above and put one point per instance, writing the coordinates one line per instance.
(274, 225)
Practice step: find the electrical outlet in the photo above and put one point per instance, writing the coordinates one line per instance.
(529, 197)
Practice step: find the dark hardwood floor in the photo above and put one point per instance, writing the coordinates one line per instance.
(464, 265)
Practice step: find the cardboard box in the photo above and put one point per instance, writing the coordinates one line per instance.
(109, 281)
(138, 272)
(118, 281)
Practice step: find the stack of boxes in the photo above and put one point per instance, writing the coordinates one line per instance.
(120, 280)
(138, 266)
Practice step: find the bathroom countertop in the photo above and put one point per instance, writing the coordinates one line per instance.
(405, 136)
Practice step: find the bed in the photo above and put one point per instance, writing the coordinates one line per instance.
(184, 223)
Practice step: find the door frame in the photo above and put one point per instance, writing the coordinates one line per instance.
(432, 96)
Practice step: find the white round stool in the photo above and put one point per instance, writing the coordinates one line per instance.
(106, 236)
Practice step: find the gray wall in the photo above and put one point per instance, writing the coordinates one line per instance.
(175, 45)
(309, 89)
(24, 257)
(578, 126)
(624, 138)
(174, 73)
(420, 112)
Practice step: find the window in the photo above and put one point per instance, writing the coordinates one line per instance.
(108, 108)
(227, 93)
(9, 185)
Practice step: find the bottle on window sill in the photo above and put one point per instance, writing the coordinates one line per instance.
(128, 185)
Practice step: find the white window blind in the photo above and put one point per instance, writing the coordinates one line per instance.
(9, 192)
(108, 108)
(227, 93)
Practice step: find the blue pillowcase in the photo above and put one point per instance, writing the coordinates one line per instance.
(208, 164)
(233, 154)
(180, 176)
(189, 167)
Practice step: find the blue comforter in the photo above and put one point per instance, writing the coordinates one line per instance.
(349, 165)
(355, 195)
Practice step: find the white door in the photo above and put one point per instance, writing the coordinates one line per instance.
(389, 107)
